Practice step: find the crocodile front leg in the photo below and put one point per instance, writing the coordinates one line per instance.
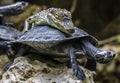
(26, 26)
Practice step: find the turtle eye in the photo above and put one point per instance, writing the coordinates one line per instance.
(24, 3)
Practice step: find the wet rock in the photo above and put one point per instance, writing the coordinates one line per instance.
(25, 70)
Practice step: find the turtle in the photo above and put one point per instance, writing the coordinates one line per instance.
(7, 31)
(11, 10)
(55, 17)
(7, 34)
(51, 41)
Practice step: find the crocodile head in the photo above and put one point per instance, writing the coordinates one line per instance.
(55, 17)
(61, 19)
(18, 7)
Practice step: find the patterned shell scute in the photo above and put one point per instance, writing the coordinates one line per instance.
(42, 36)
(46, 37)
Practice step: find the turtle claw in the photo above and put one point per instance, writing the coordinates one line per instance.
(7, 66)
(79, 73)
(9, 51)
(7, 46)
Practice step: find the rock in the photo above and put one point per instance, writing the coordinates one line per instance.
(3, 60)
(25, 70)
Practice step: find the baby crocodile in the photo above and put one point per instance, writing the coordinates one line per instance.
(55, 17)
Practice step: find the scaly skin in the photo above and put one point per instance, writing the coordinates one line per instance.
(13, 9)
(55, 17)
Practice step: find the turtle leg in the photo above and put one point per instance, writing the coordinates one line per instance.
(78, 72)
(19, 53)
(88, 48)
(9, 24)
(91, 64)
(4, 22)
(7, 46)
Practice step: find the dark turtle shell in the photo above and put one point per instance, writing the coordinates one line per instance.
(45, 39)
(79, 33)
(8, 33)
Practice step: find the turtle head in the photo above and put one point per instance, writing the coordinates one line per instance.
(104, 56)
(19, 7)
(62, 19)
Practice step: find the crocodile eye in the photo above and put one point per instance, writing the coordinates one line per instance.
(52, 12)
(57, 16)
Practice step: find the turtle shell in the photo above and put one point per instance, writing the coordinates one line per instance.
(79, 33)
(45, 38)
(8, 33)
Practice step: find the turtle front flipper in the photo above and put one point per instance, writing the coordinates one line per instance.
(78, 72)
